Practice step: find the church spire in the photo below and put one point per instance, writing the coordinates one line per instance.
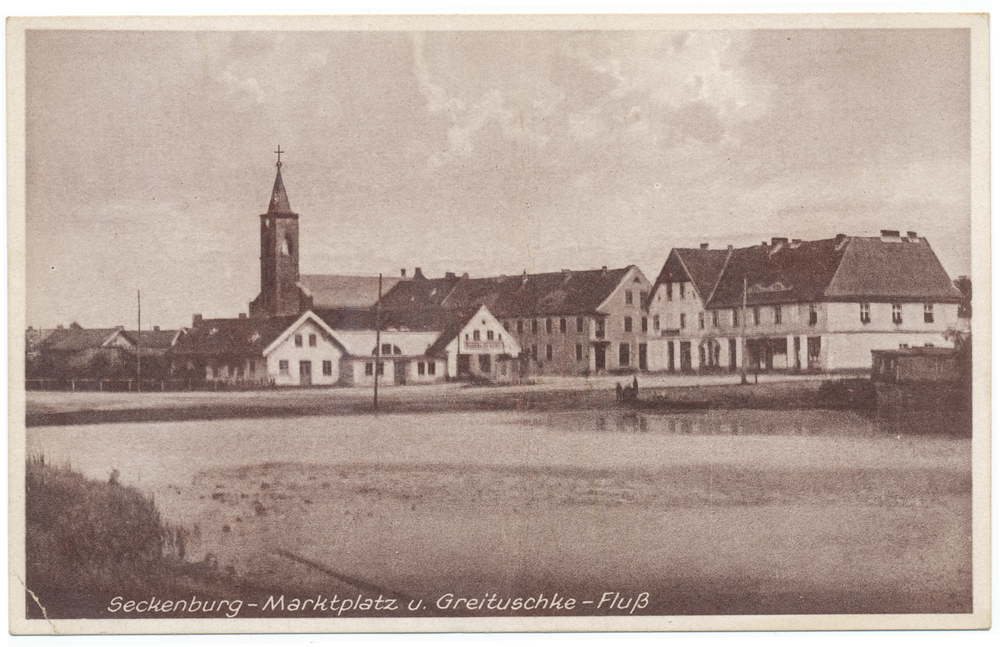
(279, 199)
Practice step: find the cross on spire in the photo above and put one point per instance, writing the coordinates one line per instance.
(279, 152)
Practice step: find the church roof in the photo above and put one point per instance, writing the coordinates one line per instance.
(341, 291)
(279, 199)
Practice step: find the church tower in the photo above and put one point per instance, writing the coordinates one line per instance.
(279, 255)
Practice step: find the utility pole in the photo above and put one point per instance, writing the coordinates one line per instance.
(378, 337)
(138, 342)
(743, 321)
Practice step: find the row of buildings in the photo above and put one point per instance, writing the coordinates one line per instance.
(793, 305)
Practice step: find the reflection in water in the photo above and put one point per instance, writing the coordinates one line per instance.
(739, 422)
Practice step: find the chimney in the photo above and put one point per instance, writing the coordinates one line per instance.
(417, 274)
(59, 327)
(704, 245)
(402, 272)
(912, 235)
(465, 275)
(891, 236)
(729, 248)
(243, 315)
(604, 269)
(156, 329)
(449, 275)
(778, 241)
(196, 321)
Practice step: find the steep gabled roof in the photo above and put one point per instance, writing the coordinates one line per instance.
(702, 267)
(907, 270)
(152, 339)
(69, 340)
(784, 273)
(340, 291)
(232, 336)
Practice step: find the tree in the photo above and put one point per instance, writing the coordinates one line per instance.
(964, 285)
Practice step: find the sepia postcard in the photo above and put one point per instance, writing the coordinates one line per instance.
(498, 323)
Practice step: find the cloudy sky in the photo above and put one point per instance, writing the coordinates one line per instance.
(150, 154)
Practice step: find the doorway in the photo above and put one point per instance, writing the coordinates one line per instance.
(305, 373)
(599, 357)
(642, 357)
(685, 356)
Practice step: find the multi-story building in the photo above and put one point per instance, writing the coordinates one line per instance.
(568, 322)
(798, 305)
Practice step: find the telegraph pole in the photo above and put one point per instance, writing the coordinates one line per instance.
(138, 342)
(743, 321)
(378, 336)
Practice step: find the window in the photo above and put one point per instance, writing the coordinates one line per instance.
(431, 368)
(866, 313)
(506, 326)
(298, 341)
(656, 322)
(579, 324)
(548, 352)
(215, 370)
(287, 247)
(387, 349)
(283, 365)
(736, 317)
(628, 324)
(327, 367)
(420, 368)
(548, 326)
(701, 320)
(813, 315)
(489, 335)
(253, 367)
(715, 319)
(645, 324)
(599, 328)
(534, 326)
(579, 352)
(520, 326)
(369, 368)
(756, 316)
(683, 321)
(381, 368)
(928, 313)
(628, 297)
(623, 357)
(670, 291)
(562, 325)
(239, 371)
(642, 297)
(897, 313)
(777, 314)
(534, 352)
(682, 290)
(475, 335)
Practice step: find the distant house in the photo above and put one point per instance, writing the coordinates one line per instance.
(152, 346)
(86, 353)
(821, 305)
(568, 322)
(282, 351)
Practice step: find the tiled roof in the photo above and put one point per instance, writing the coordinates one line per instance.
(903, 270)
(834, 269)
(152, 338)
(340, 291)
(232, 336)
(68, 340)
(553, 293)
